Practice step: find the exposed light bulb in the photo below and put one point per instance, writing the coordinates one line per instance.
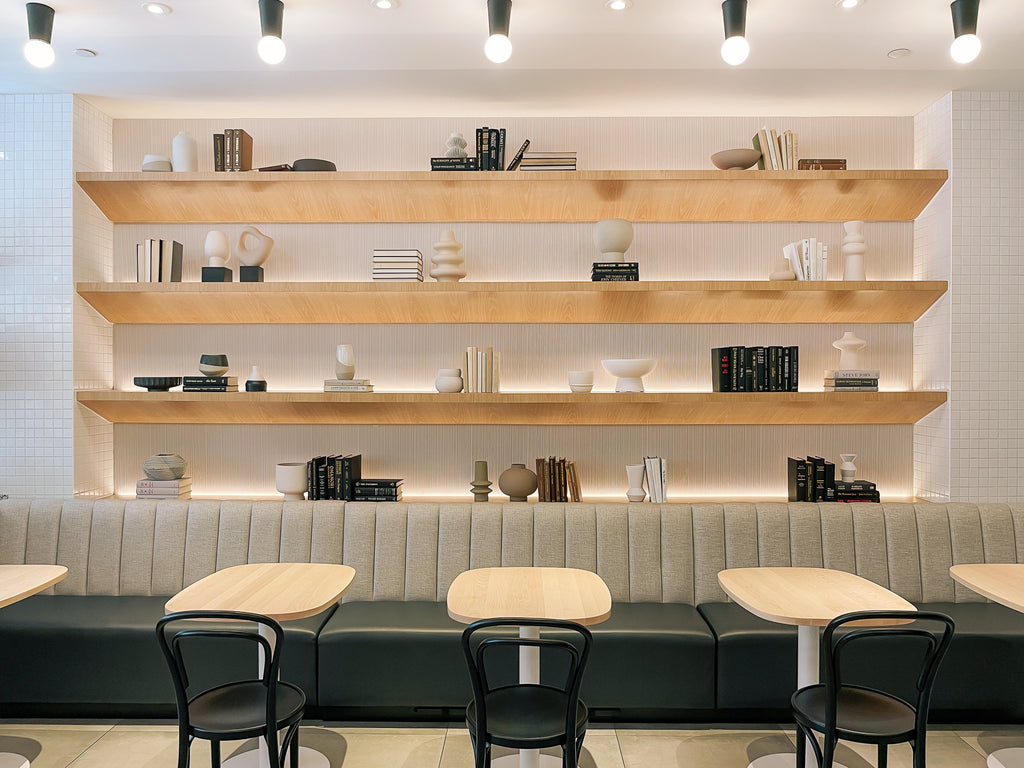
(619, 5)
(384, 5)
(735, 50)
(849, 3)
(271, 49)
(498, 48)
(38, 53)
(157, 9)
(965, 49)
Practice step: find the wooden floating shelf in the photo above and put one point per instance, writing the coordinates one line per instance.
(605, 408)
(519, 196)
(553, 302)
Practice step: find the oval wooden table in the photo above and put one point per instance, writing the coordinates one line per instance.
(1003, 583)
(280, 591)
(16, 583)
(568, 594)
(809, 598)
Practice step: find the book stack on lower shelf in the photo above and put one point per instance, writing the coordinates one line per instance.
(615, 271)
(397, 264)
(755, 369)
(377, 489)
(347, 385)
(548, 161)
(483, 370)
(814, 479)
(209, 384)
(655, 472)
(851, 380)
(332, 477)
(164, 489)
(158, 261)
(558, 480)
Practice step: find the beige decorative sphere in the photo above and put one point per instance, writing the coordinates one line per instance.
(164, 466)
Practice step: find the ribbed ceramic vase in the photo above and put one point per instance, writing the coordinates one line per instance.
(164, 466)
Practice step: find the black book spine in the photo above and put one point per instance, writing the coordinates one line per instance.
(329, 479)
(485, 149)
(514, 163)
(218, 151)
(830, 481)
(501, 150)
(321, 481)
(720, 364)
(794, 369)
(310, 485)
(373, 492)
(819, 478)
(372, 483)
(492, 163)
(785, 369)
(480, 149)
(797, 479)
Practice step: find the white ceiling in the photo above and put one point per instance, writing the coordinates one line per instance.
(570, 57)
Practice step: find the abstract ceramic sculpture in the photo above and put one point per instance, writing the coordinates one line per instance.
(480, 486)
(456, 146)
(613, 238)
(213, 365)
(184, 155)
(848, 346)
(253, 255)
(517, 482)
(635, 476)
(290, 479)
(345, 362)
(255, 382)
(164, 466)
(449, 263)
(216, 248)
(847, 470)
(630, 372)
(449, 380)
(853, 250)
(783, 271)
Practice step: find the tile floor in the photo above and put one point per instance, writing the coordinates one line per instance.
(153, 745)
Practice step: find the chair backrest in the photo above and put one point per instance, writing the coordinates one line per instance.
(922, 626)
(177, 632)
(573, 645)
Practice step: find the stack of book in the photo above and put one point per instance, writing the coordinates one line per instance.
(347, 385)
(232, 150)
(851, 380)
(210, 384)
(654, 471)
(397, 264)
(377, 490)
(755, 369)
(856, 491)
(158, 261)
(332, 477)
(779, 152)
(483, 370)
(808, 258)
(615, 271)
(548, 161)
(454, 164)
(822, 164)
(814, 479)
(558, 480)
(164, 489)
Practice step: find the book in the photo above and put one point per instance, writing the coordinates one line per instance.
(549, 153)
(369, 491)
(721, 363)
(816, 479)
(773, 149)
(492, 163)
(218, 152)
(204, 388)
(142, 494)
(524, 167)
(485, 148)
(518, 157)
(851, 373)
(850, 389)
(243, 150)
(797, 479)
(351, 471)
(212, 380)
(346, 382)
(454, 164)
(181, 482)
(348, 388)
(170, 493)
(170, 261)
(406, 252)
(838, 164)
(377, 482)
(756, 142)
(840, 383)
(615, 279)
(142, 269)
(274, 168)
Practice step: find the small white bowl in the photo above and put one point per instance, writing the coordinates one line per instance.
(630, 372)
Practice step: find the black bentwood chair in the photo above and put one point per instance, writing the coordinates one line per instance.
(522, 715)
(252, 707)
(867, 715)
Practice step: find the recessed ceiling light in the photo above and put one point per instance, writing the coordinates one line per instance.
(850, 3)
(385, 5)
(618, 5)
(899, 53)
(86, 53)
(157, 9)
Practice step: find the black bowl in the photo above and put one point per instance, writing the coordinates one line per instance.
(157, 383)
(309, 164)
(214, 360)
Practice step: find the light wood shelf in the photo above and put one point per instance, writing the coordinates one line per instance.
(519, 196)
(551, 302)
(604, 408)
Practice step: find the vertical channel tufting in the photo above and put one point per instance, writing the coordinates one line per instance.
(967, 546)
(73, 545)
(708, 552)
(773, 535)
(233, 535)
(201, 534)
(296, 528)
(265, 535)
(936, 553)
(454, 534)
(869, 543)
(902, 551)
(328, 532)
(389, 548)
(485, 534)
(358, 551)
(1017, 516)
(549, 525)
(105, 539)
(644, 553)
(13, 531)
(612, 549)
(997, 533)
(805, 541)
(43, 531)
(169, 546)
(581, 537)
(837, 540)
(421, 552)
(740, 521)
(517, 535)
(137, 548)
(677, 553)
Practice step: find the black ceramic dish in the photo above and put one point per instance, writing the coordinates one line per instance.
(213, 360)
(309, 164)
(157, 383)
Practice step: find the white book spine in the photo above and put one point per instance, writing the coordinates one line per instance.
(792, 254)
(824, 261)
(805, 257)
(812, 252)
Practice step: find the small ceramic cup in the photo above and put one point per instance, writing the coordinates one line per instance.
(581, 381)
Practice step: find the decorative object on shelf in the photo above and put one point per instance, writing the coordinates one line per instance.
(345, 362)
(449, 263)
(581, 381)
(310, 164)
(164, 466)
(218, 252)
(255, 382)
(853, 250)
(448, 380)
(161, 163)
(456, 145)
(735, 159)
(157, 383)
(635, 476)
(184, 153)
(630, 372)
(613, 238)
(480, 486)
(783, 270)
(517, 482)
(252, 256)
(290, 479)
(848, 346)
(213, 365)
(847, 470)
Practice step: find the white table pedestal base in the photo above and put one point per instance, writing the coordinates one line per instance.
(308, 758)
(1011, 757)
(13, 760)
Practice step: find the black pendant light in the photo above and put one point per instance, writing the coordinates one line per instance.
(498, 47)
(966, 45)
(37, 51)
(735, 49)
(271, 47)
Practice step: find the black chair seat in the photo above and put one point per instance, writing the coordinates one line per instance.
(527, 716)
(239, 710)
(862, 714)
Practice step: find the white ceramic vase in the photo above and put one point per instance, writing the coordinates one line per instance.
(216, 248)
(853, 251)
(449, 265)
(184, 154)
(847, 469)
(290, 479)
(253, 255)
(256, 382)
(345, 362)
(635, 476)
(848, 346)
(164, 466)
(613, 238)
(448, 380)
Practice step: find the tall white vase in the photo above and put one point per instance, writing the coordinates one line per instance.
(849, 345)
(184, 154)
(449, 263)
(847, 469)
(613, 238)
(853, 251)
(345, 363)
(635, 476)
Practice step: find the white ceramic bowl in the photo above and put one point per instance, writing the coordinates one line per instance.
(735, 159)
(629, 372)
(156, 163)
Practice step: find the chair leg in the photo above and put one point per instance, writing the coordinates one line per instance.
(215, 753)
(918, 746)
(184, 742)
(293, 759)
(801, 747)
(828, 752)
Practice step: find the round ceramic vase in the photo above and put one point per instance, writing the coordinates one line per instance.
(517, 482)
(164, 466)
